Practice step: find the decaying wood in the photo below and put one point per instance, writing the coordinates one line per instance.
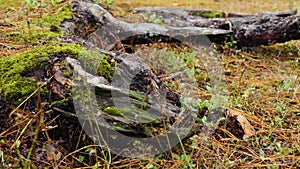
(90, 13)
(183, 26)
(159, 113)
(248, 30)
(185, 13)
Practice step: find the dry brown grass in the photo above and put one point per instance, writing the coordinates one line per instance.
(237, 6)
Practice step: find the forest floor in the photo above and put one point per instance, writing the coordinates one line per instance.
(263, 86)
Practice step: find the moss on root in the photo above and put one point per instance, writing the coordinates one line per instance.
(113, 111)
(210, 14)
(97, 63)
(16, 70)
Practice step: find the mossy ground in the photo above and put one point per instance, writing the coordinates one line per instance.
(28, 25)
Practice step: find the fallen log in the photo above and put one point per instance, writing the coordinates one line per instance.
(91, 14)
(248, 30)
(185, 12)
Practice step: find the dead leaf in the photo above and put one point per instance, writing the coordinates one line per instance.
(248, 129)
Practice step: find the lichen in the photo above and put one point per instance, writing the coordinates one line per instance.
(16, 71)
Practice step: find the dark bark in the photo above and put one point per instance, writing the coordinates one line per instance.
(248, 30)
(91, 15)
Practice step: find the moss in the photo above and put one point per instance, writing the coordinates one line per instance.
(105, 69)
(126, 111)
(136, 95)
(55, 19)
(97, 64)
(210, 14)
(41, 29)
(35, 36)
(113, 111)
(68, 74)
(147, 119)
(59, 102)
(15, 70)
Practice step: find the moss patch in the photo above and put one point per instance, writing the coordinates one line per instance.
(55, 19)
(34, 38)
(97, 64)
(15, 70)
(210, 14)
(33, 30)
(113, 111)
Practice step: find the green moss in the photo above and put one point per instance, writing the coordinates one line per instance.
(15, 84)
(126, 111)
(97, 64)
(68, 74)
(113, 111)
(147, 119)
(136, 95)
(38, 30)
(59, 102)
(34, 37)
(56, 19)
(210, 14)
(106, 69)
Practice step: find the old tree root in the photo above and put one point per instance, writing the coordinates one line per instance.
(176, 25)
(139, 84)
(247, 30)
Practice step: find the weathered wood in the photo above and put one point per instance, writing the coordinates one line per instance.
(185, 12)
(182, 24)
(91, 14)
(159, 113)
(249, 30)
(261, 30)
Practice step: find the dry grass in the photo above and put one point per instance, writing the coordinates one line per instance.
(235, 6)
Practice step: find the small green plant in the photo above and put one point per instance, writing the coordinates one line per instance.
(230, 44)
(188, 163)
